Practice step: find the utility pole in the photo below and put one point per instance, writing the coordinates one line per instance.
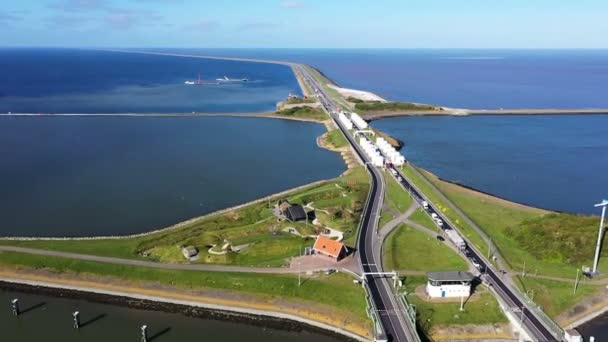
(461, 303)
(523, 270)
(576, 281)
(603, 205)
(300, 268)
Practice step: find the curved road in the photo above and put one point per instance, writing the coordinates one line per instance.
(390, 309)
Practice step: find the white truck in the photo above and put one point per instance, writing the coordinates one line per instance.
(455, 238)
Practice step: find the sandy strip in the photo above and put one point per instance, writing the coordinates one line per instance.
(359, 94)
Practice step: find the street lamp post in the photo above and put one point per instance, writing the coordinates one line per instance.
(604, 204)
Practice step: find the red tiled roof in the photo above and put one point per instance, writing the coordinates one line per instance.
(328, 246)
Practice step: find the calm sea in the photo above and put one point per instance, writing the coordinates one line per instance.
(549, 161)
(50, 319)
(464, 78)
(116, 175)
(85, 81)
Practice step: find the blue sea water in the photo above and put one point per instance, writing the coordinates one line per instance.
(551, 161)
(463, 78)
(89, 81)
(83, 176)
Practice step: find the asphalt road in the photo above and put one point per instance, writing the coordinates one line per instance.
(532, 323)
(389, 308)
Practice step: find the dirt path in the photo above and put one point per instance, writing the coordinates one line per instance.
(142, 263)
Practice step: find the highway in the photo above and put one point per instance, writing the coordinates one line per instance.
(534, 326)
(391, 311)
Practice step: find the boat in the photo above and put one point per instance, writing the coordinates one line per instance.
(199, 81)
(225, 79)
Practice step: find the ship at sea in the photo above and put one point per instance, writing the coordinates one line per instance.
(225, 79)
(199, 81)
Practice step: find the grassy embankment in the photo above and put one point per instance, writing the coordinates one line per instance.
(370, 107)
(535, 240)
(409, 249)
(322, 295)
(554, 297)
(548, 243)
(395, 197)
(299, 100)
(303, 112)
(334, 139)
(465, 228)
(337, 202)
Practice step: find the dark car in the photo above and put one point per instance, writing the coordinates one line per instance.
(440, 238)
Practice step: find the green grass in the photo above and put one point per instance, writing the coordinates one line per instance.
(342, 198)
(336, 138)
(377, 106)
(409, 249)
(484, 310)
(548, 243)
(421, 217)
(396, 198)
(385, 217)
(303, 112)
(554, 297)
(454, 217)
(299, 100)
(336, 290)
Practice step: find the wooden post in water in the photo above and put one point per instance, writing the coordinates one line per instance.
(76, 316)
(15, 305)
(144, 333)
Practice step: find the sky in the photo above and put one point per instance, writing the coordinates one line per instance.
(305, 23)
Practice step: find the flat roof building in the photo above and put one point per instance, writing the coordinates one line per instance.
(449, 284)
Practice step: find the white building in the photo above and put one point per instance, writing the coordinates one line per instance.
(345, 121)
(449, 284)
(358, 121)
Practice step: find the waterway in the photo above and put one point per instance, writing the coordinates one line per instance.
(595, 328)
(548, 161)
(461, 78)
(82, 176)
(87, 81)
(50, 319)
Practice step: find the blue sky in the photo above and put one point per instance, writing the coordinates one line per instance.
(306, 23)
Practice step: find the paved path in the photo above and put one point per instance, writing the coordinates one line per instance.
(390, 226)
(142, 263)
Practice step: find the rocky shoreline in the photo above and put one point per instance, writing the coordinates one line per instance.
(186, 310)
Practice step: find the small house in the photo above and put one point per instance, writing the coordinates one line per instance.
(330, 248)
(296, 213)
(449, 284)
(283, 206)
(190, 252)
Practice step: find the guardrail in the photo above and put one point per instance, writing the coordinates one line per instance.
(553, 327)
